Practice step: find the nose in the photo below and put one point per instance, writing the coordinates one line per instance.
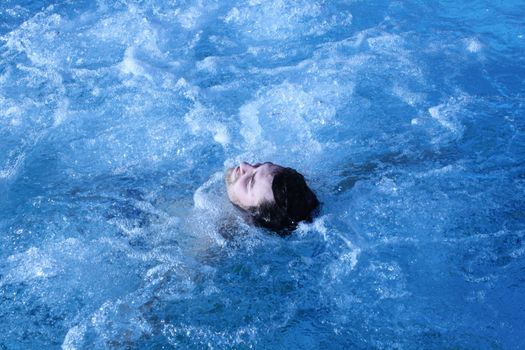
(246, 167)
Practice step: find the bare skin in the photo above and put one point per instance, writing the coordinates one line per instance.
(249, 185)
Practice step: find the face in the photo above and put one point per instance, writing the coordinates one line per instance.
(249, 185)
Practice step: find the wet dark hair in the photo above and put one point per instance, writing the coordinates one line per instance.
(294, 202)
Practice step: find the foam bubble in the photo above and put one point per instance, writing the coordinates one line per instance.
(391, 282)
(130, 65)
(439, 171)
(14, 162)
(387, 186)
(221, 135)
(17, 11)
(473, 45)
(345, 263)
(251, 130)
(209, 64)
(114, 322)
(407, 96)
(385, 42)
(74, 337)
(61, 112)
(188, 18)
(29, 265)
(286, 114)
(201, 121)
(44, 27)
(234, 15)
(347, 252)
(206, 337)
(443, 116)
(205, 199)
(277, 19)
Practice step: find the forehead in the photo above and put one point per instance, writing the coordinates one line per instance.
(264, 177)
(262, 188)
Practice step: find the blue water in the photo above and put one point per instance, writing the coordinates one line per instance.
(117, 119)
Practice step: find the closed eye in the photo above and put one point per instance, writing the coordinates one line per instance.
(252, 180)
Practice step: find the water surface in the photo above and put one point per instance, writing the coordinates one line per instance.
(117, 119)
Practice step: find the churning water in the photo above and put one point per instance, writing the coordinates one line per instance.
(117, 119)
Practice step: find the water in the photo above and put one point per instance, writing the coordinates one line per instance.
(117, 119)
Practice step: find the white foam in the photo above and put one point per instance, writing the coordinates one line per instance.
(277, 19)
(130, 65)
(207, 337)
(517, 253)
(74, 337)
(387, 186)
(14, 162)
(126, 28)
(473, 45)
(345, 263)
(29, 265)
(61, 113)
(201, 121)
(115, 320)
(348, 256)
(13, 112)
(407, 96)
(205, 199)
(440, 171)
(251, 130)
(385, 42)
(221, 134)
(318, 226)
(188, 18)
(29, 36)
(233, 16)
(17, 11)
(209, 64)
(192, 118)
(189, 91)
(391, 282)
(286, 114)
(443, 115)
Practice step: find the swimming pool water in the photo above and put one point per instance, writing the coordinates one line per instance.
(117, 119)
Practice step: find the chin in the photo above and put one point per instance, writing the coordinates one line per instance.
(228, 177)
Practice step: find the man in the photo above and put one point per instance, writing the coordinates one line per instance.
(275, 197)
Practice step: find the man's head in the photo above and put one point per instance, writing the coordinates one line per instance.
(276, 197)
